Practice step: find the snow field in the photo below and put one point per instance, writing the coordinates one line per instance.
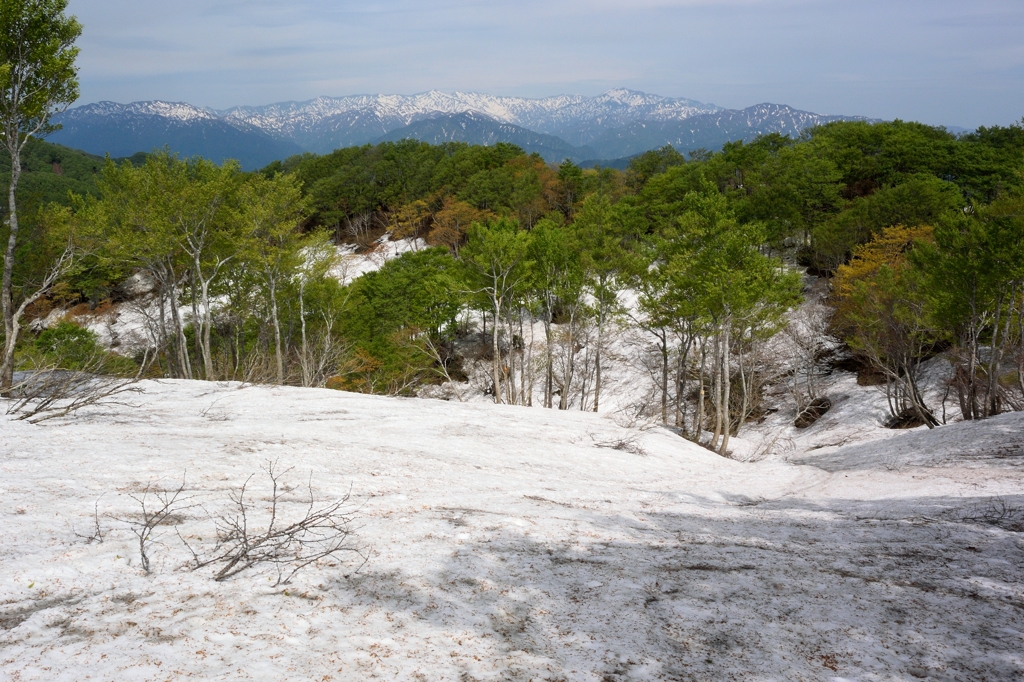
(509, 544)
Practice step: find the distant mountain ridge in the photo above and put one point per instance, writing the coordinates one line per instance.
(709, 131)
(326, 123)
(475, 128)
(121, 130)
(617, 124)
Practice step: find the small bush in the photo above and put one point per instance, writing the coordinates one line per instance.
(71, 347)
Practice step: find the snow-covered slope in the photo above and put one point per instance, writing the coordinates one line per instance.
(709, 130)
(122, 130)
(505, 544)
(615, 124)
(573, 117)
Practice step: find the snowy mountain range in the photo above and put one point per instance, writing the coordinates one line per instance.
(618, 123)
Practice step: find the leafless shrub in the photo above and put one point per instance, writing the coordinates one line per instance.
(893, 464)
(51, 393)
(638, 414)
(808, 340)
(97, 531)
(996, 511)
(157, 508)
(441, 358)
(629, 442)
(287, 547)
(772, 443)
(47, 391)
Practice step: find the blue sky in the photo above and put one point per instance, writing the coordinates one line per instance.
(947, 62)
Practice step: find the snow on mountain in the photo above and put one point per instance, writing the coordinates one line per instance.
(286, 116)
(178, 111)
(561, 115)
(125, 129)
(476, 128)
(615, 124)
(707, 130)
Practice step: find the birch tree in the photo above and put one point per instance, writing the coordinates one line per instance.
(495, 257)
(270, 215)
(38, 78)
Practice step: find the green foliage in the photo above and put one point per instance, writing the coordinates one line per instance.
(715, 261)
(50, 172)
(37, 66)
(419, 291)
(377, 178)
(394, 312)
(645, 166)
(69, 346)
(920, 200)
(74, 346)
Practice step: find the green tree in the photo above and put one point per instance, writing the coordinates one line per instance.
(713, 278)
(645, 166)
(402, 320)
(175, 220)
(38, 78)
(974, 274)
(602, 240)
(558, 283)
(270, 217)
(497, 267)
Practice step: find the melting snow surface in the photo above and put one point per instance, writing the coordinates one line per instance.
(510, 544)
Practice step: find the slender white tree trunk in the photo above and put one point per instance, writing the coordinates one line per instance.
(727, 383)
(278, 355)
(11, 326)
(496, 362)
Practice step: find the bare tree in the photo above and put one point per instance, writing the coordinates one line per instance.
(808, 337)
(287, 547)
(48, 391)
(157, 508)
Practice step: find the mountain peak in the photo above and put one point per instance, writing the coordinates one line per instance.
(180, 111)
(617, 123)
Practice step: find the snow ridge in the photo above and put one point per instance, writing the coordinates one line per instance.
(179, 111)
(287, 117)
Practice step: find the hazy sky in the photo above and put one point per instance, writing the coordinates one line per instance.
(948, 62)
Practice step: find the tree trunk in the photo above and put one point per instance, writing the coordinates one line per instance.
(11, 326)
(597, 356)
(204, 290)
(698, 426)
(664, 376)
(278, 355)
(683, 357)
(197, 324)
(727, 386)
(509, 370)
(563, 399)
(992, 406)
(549, 360)
(529, 365)
(496, 360)
(181, 344)
(716, 378)
(305, 360)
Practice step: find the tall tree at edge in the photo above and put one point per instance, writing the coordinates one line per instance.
(38, 78)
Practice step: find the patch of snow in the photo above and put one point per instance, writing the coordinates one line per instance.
(506, 544)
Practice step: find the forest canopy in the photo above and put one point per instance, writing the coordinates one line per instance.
(919, 232)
